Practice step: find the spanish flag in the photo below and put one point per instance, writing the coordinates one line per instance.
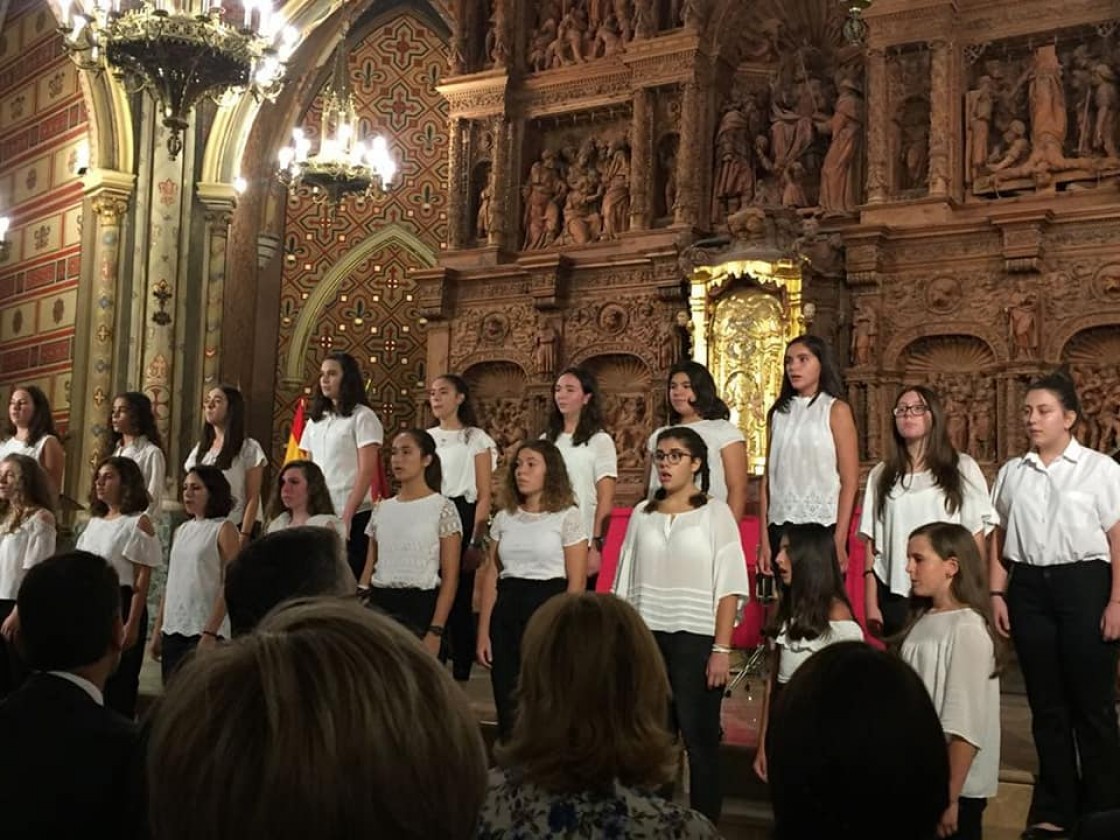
(293, 452)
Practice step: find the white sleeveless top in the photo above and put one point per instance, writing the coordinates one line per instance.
(15, 446)
(804, 482)
(123, 544)
(194, 577)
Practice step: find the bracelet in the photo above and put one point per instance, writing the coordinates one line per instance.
(435, 629)
(867, 572)
(721, 649)
(998, 593)
(475, 544)
(598, 542)
(246, 533)
(210, 633)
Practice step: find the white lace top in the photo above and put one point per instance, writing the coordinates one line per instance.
(123, 544)
(804, 482)
(531, 545)
(250, 456)
(457, 449)
(194, 577)
(153, 466)
(30, 543)
(408, 535)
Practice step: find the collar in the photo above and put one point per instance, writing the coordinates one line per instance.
(1071, 453)
(81, 682)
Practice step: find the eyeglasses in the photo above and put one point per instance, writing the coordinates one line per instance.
(673, 456)
(915, 410)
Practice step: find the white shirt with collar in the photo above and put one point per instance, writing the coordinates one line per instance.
(81, 682)
(333, 441)
(1059, 513)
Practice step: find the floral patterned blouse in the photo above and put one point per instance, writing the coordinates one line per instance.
(518, 810)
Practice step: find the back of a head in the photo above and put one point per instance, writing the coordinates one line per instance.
(301, 562)
(590, 714)
(69, 609)
(855, 722)
(330, 721)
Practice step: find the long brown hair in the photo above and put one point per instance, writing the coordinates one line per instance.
(42, 424)
(318, 496)
(557, 495)
(134, 492)
(582, 723)
(969, 585)
(942, 460)
(34, 491)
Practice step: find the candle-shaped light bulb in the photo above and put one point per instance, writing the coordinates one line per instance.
(5, 223)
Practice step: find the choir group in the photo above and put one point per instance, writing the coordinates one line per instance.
(467, 552)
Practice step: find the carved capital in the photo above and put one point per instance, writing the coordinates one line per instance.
(548, 279)
(435, 288)
(1023, 236)
(110, 207)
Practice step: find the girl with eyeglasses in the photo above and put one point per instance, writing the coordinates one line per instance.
(682, 567)
(923, 479)
(812, 458)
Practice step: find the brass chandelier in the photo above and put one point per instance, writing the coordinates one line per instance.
(182, 51)
(345, 164)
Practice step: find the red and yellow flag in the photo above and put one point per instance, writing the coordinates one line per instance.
(293, 452)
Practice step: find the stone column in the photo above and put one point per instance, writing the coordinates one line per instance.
(877, 143)
(641, 160)
(941, 118)
(690, 156)
(500, 179)
(219, 202)
(457, 199)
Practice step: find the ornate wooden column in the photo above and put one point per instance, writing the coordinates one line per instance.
(641, 159)
(942, 118)
(457, 198)
(877, 103)
(498, 235)
(220, 200)
(690, 157)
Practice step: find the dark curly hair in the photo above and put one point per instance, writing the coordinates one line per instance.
(557, 495)
(134, 492)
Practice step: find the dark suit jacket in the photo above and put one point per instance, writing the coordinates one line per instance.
(68, 767)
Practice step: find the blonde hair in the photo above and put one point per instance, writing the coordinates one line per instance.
(590, 713)
(330, 721)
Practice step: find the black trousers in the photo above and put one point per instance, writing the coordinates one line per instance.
(694, 713)
(123, 686)
(517, 600)
(895, 609)
(175, 647)
(462, 623)
(1070, 674)
(13, 671)
(357, 544)
(410, 606)
(970, 817)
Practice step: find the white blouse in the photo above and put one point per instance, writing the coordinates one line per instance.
(915, 501)
(675, 569)
(587, 465)
(408, 535)
(1060, 513)
(322, 520)
(194, 578)
(15, 446)
(123, 544)
(457, 449)
(717, 434)
(953, 654)
(250, 457)
(333, 443)
(531, 545)
(792, 653)
(153, 466)
(30, 543)
(804, 482)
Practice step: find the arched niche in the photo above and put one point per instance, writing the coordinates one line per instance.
(628, 404)
(960, 368)
(1093, 356)
(500, 391)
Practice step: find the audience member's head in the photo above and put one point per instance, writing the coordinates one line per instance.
(294, 563)
(70, 614)
(855, 750)
(329, 721)
(590, 714)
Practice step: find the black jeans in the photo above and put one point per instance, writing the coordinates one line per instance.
(970, 818)
(13, 671)
(694, 713)
(517, 600)
(357, 544)
(174, 648)
(462, 623)
(410, 606)
(1070, 674)
(123, 686)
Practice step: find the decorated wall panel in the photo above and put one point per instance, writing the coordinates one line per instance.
(43, 133)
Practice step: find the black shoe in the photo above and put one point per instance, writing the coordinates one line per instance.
(1037, 832)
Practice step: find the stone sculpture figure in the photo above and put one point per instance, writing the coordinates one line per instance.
(544, 347)
(624, 16)
(497, 36)
(865, 331)
(838, 194)
(608, 39)
(1022, 326)
(542, 194)
(1015, 151)
(541, 53)
(980, 106)
(482, 221)
(734, 181)
(1106, 98)
(616, 198)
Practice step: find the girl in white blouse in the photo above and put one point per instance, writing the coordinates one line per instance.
(192, 613)
(812, 458)
(924, 479)
(538, 549)
(813, 613)
(343, 436)
(952, 645)
(136, 436)
(120, 532)
(468, 457)
(1054, 573)
(30, 431)
(301, 498)
(27, 537)
(693, 402)
(224, 445)
(575, 425)
(412, 568)
(682, 567)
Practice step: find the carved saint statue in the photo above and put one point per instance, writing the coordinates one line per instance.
(482, 221)
(544, 347)
(838, 188)
(616, 199)
(1022, 326)
(734, 181)
(865, 331)
(980, 106)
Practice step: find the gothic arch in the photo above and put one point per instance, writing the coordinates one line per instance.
(324, 292)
